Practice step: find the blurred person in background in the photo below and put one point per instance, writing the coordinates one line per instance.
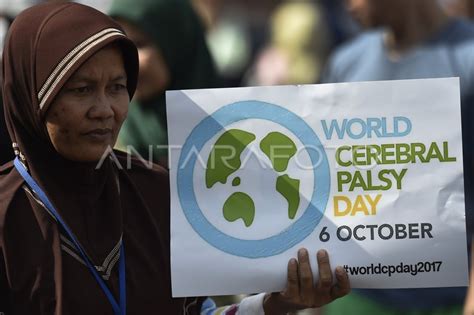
(237, 34)
(341, 25)
(173, 55)
(268, 42)
(459, 8)
(297, 48)
(410, 40)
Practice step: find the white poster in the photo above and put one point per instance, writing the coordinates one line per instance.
(369, 171)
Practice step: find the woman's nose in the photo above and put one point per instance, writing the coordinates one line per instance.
(102, 107)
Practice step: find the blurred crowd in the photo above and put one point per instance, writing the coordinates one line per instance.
(231, 43)
(242, 43)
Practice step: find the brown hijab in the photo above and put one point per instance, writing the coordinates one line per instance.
(40, 272)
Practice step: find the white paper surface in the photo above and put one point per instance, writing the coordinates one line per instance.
(236, 221)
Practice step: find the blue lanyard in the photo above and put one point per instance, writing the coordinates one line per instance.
(118, 309)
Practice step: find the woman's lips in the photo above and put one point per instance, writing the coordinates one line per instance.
(99, 134)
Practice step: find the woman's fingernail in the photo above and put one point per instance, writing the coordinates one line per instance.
(322, 253)
(302, 252)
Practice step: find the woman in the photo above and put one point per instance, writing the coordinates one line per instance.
(76, 238)
(173, 56)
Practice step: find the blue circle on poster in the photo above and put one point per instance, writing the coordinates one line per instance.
(298, 230)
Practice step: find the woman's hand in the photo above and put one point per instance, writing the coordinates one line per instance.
(301, 291)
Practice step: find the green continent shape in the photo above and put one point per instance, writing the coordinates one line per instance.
(239, 206)
(279, 149)
(290, 189)
(236, 181)
(223, 161)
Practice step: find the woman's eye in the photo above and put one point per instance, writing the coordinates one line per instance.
(118, 87)
(81, 90)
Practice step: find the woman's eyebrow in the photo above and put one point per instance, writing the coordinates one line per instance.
(79, 78)
(120, 77)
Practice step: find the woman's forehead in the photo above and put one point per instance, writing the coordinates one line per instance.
(106, 63)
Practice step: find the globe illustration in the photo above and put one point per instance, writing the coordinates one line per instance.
(226, 159)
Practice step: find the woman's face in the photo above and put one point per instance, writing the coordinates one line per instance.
(85, 118)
